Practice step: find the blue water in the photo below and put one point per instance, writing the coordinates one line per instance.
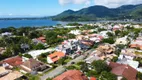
(25, 23)
(38, 23)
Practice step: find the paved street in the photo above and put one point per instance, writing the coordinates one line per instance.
(53, 73)
(61, 69)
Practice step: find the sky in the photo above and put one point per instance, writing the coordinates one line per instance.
(32, 8)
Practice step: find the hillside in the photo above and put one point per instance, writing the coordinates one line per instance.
(101, 12)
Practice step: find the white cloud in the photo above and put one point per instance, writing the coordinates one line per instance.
(10, 14)
(107, 3)
(64, 2)
(116, 3)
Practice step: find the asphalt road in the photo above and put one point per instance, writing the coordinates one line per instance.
(61, 69)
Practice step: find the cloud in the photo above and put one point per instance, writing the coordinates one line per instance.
(116, 3)
(10, 14)
(85, 2)
(107, 3)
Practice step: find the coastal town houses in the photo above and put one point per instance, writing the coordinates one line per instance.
(68, 46)
(3, 71)
(93, 37)
(122, 41)
(71, 75)
(104, 51)
(127, 53)
(127, 57)
(122, 70)
(104, 34)
(33, 66)
(75, 32)
(9, 74)
(54, 57)
(41, 40)
(12, 62)
(117, 27)
(2, 50)
(137, 43)
(36, 53)
(6, 34)
(6, 69)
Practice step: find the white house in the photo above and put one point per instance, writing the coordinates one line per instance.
(75, 32)
(137, 26)
(122, 40)
(6, 34)
(69, 26)
(104, 34)
(36, 53)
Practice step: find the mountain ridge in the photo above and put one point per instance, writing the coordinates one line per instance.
(101, 12)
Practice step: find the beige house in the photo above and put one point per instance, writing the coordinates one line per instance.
(9, 74)
(105, 51)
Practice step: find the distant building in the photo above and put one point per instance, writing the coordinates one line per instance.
(136, 43)
(104, 34)
(6, 34)
(75, 32)
(2, 50)
(117, 27)
(41, 40)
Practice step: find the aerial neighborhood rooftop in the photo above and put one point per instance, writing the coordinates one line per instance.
(93, 51)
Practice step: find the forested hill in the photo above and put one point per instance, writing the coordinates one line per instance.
(101, 12)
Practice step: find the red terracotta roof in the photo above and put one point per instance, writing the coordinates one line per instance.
(87, 42)
(101, 37)
(71, 75)
(56, 56)
(123, 70)
(93, 78)
(14, 61)
(136, 46)
(42, 39)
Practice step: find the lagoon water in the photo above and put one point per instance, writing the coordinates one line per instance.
(25, 23)
(39, 23)
(32, 23)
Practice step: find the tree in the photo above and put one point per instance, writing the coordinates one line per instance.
(34, 34)
(71, 36)
(49, 79)
(123, 78)
(8, 52)
(114, 59)
(27, 55)
(117, 32)
(84, 67)
(109, 34)
(32, 77)
(92, 73)
(108, 40)
(100, 66)
(61, 61)
(39, 46)
(139, 76)
(71, 67)
(107, 76)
